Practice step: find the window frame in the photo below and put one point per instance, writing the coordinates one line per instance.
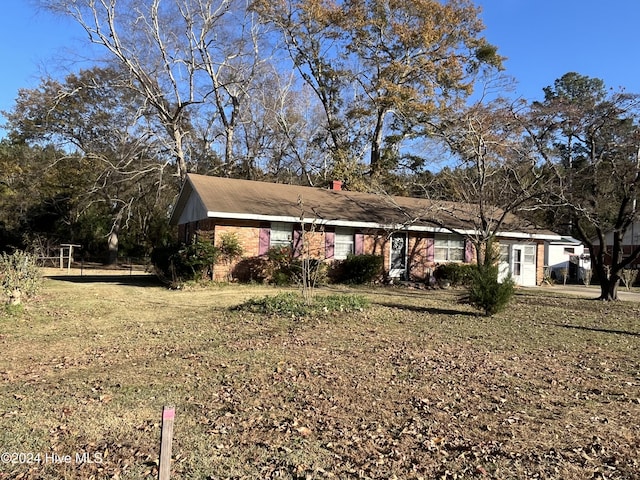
(529, 255)
(278, 230)
(341, 237)
(453, 244)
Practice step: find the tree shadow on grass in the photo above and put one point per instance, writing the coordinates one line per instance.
(600, 330)
(125, 279)
(429, 310)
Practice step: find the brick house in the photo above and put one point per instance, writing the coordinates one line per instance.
(413, 235)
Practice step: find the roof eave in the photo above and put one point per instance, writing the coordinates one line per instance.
(375, 225)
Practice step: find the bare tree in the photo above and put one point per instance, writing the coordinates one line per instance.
(494, 175)
(181, 55)
(377, 66)
(589, 141)
(310, 34)
(284, 132)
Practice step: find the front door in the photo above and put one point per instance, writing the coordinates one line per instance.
(398, 257)
(523, 265)
(519, 261)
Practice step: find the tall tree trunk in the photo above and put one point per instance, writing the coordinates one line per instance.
(181, 162)
(375, 166)
(112, 240)
(611, 278)
(609, 287)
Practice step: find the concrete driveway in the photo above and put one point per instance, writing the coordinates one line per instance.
(591, 291)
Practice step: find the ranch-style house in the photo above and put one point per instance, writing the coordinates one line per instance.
(413, 235)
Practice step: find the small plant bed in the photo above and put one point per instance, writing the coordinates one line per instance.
(291, 303)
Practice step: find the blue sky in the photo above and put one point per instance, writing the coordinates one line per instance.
(543, 39)
(31, 43)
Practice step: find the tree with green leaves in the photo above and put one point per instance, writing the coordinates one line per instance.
(101, 125)
(378, 65)
(38, 193)
(589, 139)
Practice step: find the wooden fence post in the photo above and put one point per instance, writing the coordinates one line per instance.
(168, 416)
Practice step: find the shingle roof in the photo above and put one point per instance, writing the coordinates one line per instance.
(215, 197)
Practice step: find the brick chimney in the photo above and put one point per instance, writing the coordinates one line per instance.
(335, 185)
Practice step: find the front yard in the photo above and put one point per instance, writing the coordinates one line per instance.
(417, 386)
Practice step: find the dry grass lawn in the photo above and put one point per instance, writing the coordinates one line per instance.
(417, 386)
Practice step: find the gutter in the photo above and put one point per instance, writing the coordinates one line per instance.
(374, 225)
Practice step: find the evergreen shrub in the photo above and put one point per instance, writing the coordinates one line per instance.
(486, 293)
(359, 269)
(458, 274)
(180, 263)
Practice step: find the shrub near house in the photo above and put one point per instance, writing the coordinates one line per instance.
(19, 277)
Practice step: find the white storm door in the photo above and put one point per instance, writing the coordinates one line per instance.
(398, 257)
(517, 257)
(523, 265)
(528, 276)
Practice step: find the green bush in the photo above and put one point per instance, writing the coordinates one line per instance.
(282, 268)
(19, 276)
(230, 246)
(252, 269)
(290, 303)
(458, 274)
(161, 259)
(181, 262)
(359, 269)
(486, 293)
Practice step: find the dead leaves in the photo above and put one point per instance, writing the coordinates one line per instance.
(395, 393)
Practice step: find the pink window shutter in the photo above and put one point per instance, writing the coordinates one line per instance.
(431, 249)
(264, 240)
(359, 244)
(469, 251)
(329, 244)
(297, 243)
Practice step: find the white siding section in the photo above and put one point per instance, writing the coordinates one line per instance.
(193, 210)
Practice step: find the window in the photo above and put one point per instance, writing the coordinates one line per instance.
(517, 262)
(504, 253)
(569, 250)
(344, 244)
(281, 235)
(448, 249)
(529, 254)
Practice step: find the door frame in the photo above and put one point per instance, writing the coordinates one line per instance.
(526, 276)
(398, 272)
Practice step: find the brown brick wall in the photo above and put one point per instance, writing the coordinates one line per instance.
(375, 242)
(419, 268)
(249, 235)
(540, 263)
(315, 243)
